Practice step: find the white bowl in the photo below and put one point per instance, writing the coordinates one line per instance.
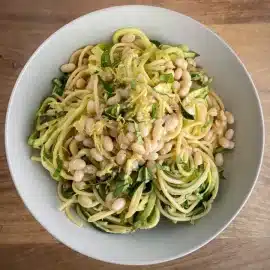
(231, 80)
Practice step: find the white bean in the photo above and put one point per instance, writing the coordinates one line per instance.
(171, 123)
(176, 85)
(229, 134)
(78, 176)
(85, 201)
(67, 68)
(91, 109)
(107, 143)
(79, 137)
(219, 159)
(213, 112)
(198, 158)
(88, 142)
(96, 154)
(158, 130)
(123, 92)
(135, 165)
(185, 87)
(224, 142)
(90, 169)
(113, 133)
(131, 136)
(76, 164)
(157, 146)
(121, 157)
(178, 74)
(182, 63)
(114, 100)
(138, 148)
(167, 148)
(122, 139)
(128, 38)
(144, 129)
(80, 83)
(107, 76)
(151, 164)
(151, 156)
(231, 145)
(131, 127)
(222, 116)
(118, 204)
(230, 117)
(209, 135)
(89, 123)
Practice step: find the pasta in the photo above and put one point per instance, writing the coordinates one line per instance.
(131, 132)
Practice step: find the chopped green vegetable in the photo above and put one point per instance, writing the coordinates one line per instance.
(59, 85)
(154, 111)
(108, 87)
(168, 78)
(156, 42)
(113, 111)
(105, 59)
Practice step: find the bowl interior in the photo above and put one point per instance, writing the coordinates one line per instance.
(231, 81)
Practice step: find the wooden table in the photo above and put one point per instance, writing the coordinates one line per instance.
(245, 25)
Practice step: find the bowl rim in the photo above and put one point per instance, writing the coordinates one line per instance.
(135, 262)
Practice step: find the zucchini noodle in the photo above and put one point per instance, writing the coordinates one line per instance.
(131, 132)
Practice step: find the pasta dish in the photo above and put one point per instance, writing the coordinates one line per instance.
(133, 131)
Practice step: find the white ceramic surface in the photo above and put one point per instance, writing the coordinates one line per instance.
(231, 80)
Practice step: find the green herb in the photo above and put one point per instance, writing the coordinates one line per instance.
(113, 111)
(105, 59)
(120, 188)
(144, 175)
(133, 84)
(138, 133)
(195, 76)
(57, 172)
(107, 87)
(154, 111)
(156, 42)
(59, 85)
(67, 190)
(185, 204)
(186, 114)
(168, 78)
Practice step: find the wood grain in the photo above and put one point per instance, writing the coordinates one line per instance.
(245, 25)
